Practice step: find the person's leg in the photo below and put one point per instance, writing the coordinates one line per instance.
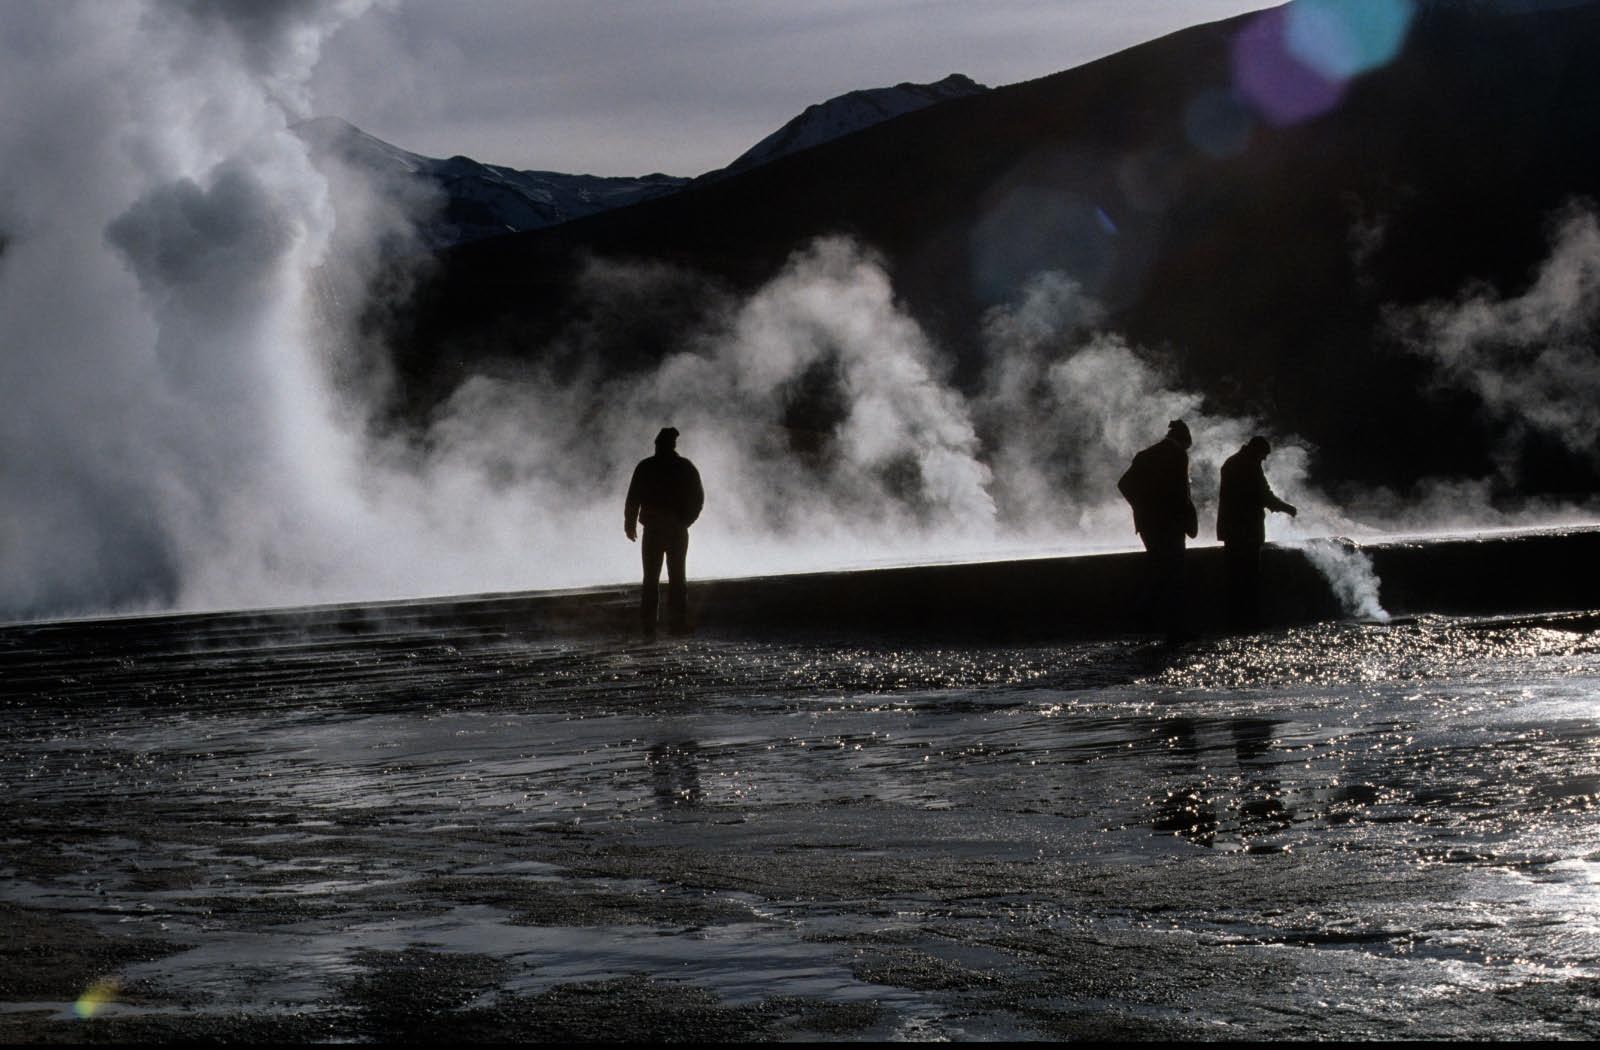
(1250, 582)
(1240, 560)
(651, 550)
(1148, 608)
(1166, 555)
(1177, 597)
(677, 551)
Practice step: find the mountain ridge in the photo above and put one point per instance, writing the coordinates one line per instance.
(459, 199)
(848, 113)
(1240, 267)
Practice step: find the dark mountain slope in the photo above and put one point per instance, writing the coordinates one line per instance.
(848, 113)
(1264, 274)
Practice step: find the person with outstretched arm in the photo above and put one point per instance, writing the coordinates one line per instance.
(1242, 505)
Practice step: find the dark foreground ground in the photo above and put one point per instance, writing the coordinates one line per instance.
(496, 819)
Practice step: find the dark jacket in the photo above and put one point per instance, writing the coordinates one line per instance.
(665, 491)
(1244, 500)
(1156, 485)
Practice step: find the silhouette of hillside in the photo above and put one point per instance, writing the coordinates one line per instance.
(1263, 274)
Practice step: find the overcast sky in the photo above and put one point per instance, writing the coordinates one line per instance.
(628, 87)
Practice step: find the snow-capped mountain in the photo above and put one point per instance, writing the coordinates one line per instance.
(467, 200)
(851, 112)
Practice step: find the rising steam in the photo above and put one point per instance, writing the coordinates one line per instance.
(1529, 358)
(185, 397)
(174, 317)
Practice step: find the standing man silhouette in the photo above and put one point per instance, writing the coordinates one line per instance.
(1156, 485)
(1242, 505)
(665, 496)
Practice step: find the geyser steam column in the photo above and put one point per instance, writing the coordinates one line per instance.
(168, 436)
(222, 264)
(163, 422)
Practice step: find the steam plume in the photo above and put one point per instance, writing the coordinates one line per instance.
(1529, 358)
(185, 399)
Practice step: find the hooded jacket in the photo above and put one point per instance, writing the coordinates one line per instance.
(1156, 485)
(1244, 499)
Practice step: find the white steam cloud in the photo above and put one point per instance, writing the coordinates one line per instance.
(185, 396)
(1348, 570)
(168, 435)
(1530, 358)
(897, 467)
(1068, 406)
(177, 298)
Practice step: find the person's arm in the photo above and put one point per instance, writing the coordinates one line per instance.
(630, 508)
(696, 498)
(1270, 500)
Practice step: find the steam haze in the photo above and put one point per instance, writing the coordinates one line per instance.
(1527, 357)
(189, 404)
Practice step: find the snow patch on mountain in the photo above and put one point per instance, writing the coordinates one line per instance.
(460, 199)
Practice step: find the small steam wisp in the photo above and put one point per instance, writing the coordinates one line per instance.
(1349, 572)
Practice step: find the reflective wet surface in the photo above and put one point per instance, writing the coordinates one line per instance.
(1358, 830)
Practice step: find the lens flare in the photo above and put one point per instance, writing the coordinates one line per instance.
(1293, 63)
(1281, 87)
(1342, 39)
(1036, 227)
(100, 993)
(1218, 124)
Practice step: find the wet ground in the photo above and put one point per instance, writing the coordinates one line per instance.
(261, 833)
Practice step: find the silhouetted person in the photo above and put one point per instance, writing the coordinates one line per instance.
(1156, 485)
(665, 496)
(1242, 506)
